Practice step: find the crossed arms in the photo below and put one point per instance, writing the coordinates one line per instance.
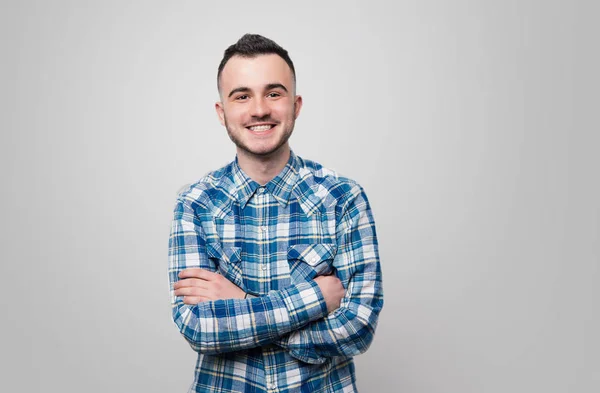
(304, 318)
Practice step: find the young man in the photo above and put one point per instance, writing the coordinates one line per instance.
(274, 267)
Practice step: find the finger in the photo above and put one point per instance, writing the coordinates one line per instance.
(190, 291)
(195, 272)
(190, 282)
(195, 299)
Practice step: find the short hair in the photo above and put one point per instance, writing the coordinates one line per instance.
(252, 45)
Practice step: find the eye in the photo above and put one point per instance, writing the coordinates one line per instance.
(273, 95)
(242, 97)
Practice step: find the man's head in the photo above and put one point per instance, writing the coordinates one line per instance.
(258, 107)
(252, 45)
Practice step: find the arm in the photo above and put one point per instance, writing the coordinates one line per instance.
(231, 324)
(349, 330)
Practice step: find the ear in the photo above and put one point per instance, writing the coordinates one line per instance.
(220, 112)
(297, 106)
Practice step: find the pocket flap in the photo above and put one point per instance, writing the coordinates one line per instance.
(229, 254)
(312, 253)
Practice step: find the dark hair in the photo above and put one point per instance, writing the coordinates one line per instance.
(252, 45)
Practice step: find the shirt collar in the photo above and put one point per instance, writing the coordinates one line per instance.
(280, 186)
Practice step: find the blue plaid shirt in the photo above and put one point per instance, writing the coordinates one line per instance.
(271, 241)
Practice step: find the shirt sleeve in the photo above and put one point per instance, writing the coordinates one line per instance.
(232, 324)
(349, 330)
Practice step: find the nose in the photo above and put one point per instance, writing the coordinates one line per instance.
(259, 107)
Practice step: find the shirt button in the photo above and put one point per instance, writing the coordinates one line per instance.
(260, 190)
(263, 267)
(263, 228)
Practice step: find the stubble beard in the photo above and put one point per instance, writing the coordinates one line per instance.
(287, 133)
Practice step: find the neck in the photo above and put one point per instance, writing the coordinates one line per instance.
(263, 168)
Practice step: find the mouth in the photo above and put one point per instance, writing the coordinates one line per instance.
(262, 127)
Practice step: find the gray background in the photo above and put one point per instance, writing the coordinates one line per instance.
(470, 124)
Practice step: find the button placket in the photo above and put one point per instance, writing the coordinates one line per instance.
(263, 234)
(270, 370)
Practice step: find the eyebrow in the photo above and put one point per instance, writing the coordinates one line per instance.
(270, 86)
(238, 90)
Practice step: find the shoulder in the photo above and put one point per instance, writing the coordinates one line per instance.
(212, 187)
(320, 183)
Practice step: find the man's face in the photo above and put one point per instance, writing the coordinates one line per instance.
(258, 104)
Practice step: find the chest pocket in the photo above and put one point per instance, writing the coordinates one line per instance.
(310, 260)
(228, 261)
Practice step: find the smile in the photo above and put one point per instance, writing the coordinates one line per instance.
(261, 127)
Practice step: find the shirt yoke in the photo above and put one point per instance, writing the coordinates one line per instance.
(318, 189)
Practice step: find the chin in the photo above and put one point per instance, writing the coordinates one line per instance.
(262, 151)
(264, 148)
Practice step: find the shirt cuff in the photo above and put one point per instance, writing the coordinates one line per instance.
(305, 303)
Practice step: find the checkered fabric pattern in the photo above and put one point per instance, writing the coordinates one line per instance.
(272, 241)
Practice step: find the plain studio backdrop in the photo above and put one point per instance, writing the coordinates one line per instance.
(472, 125)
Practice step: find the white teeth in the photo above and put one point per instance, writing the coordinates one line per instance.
(261, 128)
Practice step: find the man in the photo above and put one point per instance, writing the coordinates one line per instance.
(274, 267)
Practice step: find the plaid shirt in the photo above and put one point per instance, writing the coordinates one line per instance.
(271, 241)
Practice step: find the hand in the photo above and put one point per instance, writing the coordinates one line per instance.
(199, 285)
(332, 289)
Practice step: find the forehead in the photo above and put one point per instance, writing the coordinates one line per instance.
(255, 72)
